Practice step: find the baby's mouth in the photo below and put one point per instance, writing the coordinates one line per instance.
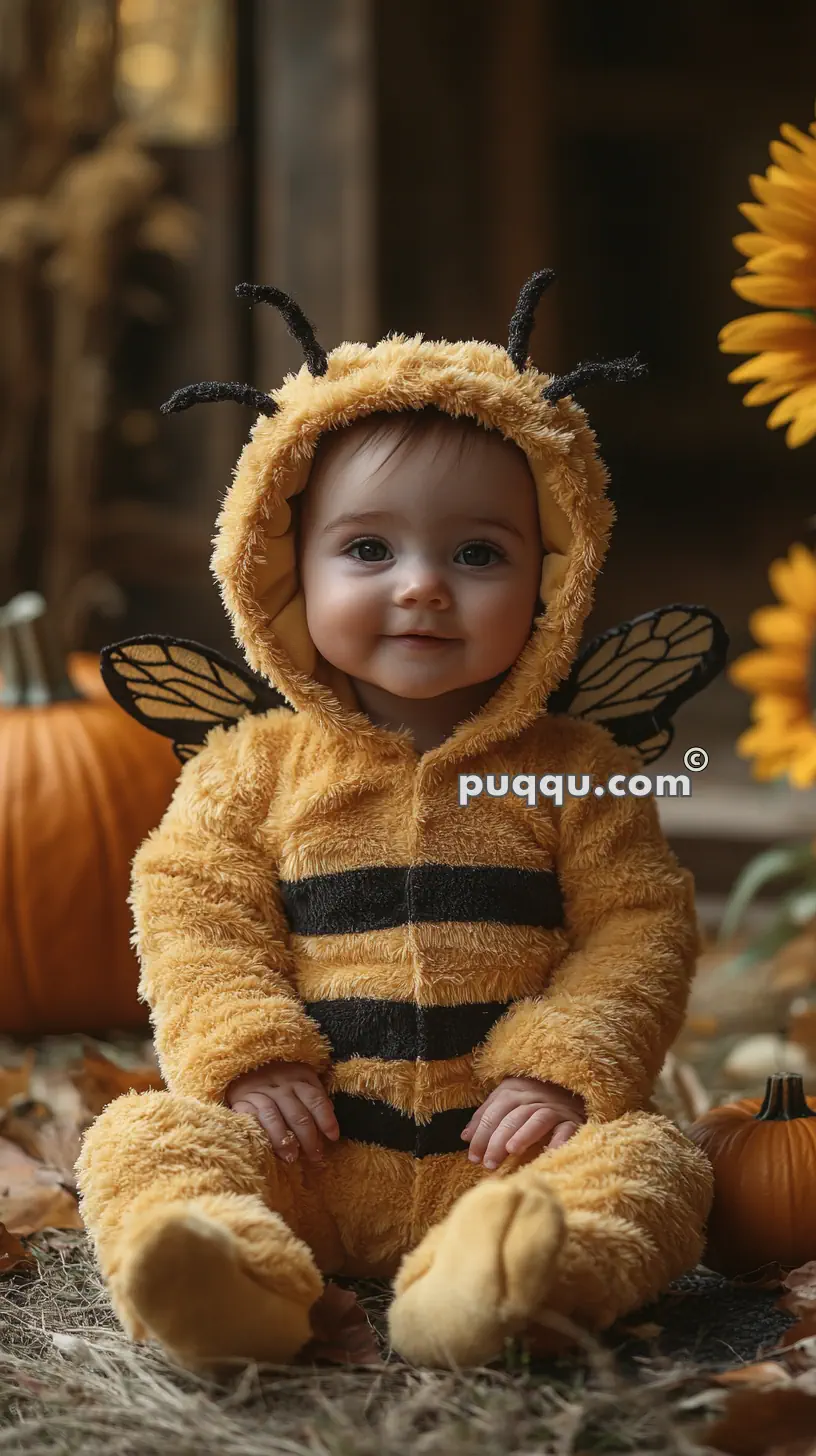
(416, 639)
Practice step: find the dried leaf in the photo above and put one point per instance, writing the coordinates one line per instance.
(768, 1276)
(342, 1333)
(801, 1286)
(763, 1372)
(15, 1081)
(13, 1254)
(31, 1195)
(27, 1211)
(756, 1423)
(23, 1124)
(99, 1081)
(645, 1331)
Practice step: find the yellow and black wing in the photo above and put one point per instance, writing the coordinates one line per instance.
(633, 678)
(182, 689)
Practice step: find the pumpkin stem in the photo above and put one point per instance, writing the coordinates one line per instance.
(33, 670)
(784, 1099)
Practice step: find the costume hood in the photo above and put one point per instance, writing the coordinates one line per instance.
(254, 559)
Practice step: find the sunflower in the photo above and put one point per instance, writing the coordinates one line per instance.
(782, 739)
(781, 275)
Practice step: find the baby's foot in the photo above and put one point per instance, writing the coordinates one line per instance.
(479, 1275)
(184, 1279)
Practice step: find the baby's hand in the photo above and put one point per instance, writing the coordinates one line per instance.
(519, 1113)
(291, 1103)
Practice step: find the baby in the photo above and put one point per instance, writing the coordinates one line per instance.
(403, 1037)
(455, 552)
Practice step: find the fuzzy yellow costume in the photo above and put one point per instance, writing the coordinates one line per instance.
(315, 893)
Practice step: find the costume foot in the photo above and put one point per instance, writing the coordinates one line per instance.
(477, 1276)
(185, 1281)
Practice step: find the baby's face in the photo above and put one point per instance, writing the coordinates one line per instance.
(446, 540)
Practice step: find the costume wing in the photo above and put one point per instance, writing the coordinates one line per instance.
(181, 689)
(633, 678)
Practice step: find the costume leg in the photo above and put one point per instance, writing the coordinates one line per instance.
(590, 1231)
(193, 1223)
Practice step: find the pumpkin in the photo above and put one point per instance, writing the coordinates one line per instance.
(763, 1152)
(81, 785)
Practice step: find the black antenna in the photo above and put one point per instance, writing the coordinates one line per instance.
(620, 371)
(521, 324)
(211, 391)
(296, 321)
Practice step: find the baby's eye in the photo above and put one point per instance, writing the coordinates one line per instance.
(367, 541)
(481, 546)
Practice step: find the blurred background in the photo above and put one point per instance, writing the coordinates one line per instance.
(394, 167)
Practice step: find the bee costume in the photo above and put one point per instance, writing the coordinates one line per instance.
(315, 893)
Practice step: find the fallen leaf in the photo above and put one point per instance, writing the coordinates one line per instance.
(53, 1140)
(644, 1332)
(99, 1081)
(341, 1330)
(31, 1194)
(801, 1286)
(756, 1423)
(13, 1254)
(768, 1276)
(763, 1372)
(27, 1210)
(15, 1081)
(23, 1123)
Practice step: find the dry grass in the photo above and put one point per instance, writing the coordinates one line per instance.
(71, 1382)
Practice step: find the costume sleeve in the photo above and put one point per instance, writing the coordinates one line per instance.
(617, 999)
(216, 968)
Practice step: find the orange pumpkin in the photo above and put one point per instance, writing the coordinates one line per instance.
(763, 1153)
(81, 785)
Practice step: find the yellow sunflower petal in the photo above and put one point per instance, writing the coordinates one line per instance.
(793, 578)
(788, 409)
(774, 708)
(762, 740)
(766, 393)
(802, 771)
(799, 139)
(781, 257)
(782, 627)
(777, 189)
(768, 671)
(802, 429)
(784, 332)
(753, 244)
(793, 162)
(774, 291)
(785, 224)
(770, 365)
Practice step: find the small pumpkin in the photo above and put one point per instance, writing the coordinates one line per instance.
(763, 1152)
(81, 785)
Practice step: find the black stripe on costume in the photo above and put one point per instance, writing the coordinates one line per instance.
(402, 1030)
(365, 1121)
(379, 897)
